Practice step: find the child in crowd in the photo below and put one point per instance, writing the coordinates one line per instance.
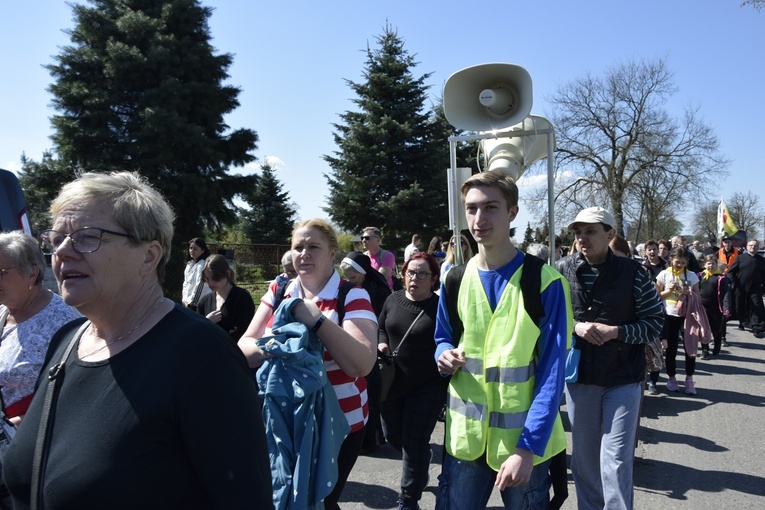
(714, 287)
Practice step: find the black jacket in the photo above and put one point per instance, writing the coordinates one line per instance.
(616, 362)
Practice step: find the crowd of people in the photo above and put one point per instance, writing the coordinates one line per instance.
(121, 398)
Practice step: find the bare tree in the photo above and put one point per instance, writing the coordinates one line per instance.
(705, 220)
(746, 212)
(756, 4)
(615, 138)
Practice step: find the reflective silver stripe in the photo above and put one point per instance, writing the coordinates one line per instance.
(473, 366)
(511, 375)
(465, 408)
(507, 420)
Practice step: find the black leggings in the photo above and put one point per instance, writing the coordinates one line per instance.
(349, 452)
(672, 327)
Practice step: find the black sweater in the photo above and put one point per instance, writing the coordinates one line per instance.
(415, 363)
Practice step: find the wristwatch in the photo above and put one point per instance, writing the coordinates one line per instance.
(318, 324)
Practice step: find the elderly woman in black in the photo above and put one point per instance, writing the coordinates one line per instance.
(409, 414)
(154, 405)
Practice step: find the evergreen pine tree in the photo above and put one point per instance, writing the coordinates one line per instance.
(389, 169)
(528, 236)
(140, 88)
(271, 216)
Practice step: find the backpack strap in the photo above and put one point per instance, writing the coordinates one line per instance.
(342, 293)
(452, 284)
(281, 289)
(531, 289)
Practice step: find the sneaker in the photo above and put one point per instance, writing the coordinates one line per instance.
(724, 343)
(672, 384)
(652, 389)
(705, 355)
(690, 388)
(407, 504)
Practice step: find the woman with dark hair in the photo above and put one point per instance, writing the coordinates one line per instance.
(228, 306)
(434, 248)
(357, 268)
(194, 286)
(409, 414)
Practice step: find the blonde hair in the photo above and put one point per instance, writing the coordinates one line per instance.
(450, 250)
(136, 205)
(324, 227)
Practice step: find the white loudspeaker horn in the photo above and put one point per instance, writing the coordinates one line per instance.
(487, 97)
(513, 156)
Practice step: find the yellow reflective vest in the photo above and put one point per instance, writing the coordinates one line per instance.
(490, 396)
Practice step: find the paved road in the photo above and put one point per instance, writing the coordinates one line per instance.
(695, 453)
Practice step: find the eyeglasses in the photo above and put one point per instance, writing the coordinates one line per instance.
(84, 240)
(420, 275)
(463, 244)
(367, 238)
(3, 271)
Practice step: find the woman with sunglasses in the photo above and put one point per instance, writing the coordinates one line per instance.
(407, 328)
(467, 254)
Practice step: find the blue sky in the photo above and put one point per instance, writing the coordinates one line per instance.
(292, 60)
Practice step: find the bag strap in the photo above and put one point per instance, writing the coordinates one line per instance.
(395, 351)
(40, 455)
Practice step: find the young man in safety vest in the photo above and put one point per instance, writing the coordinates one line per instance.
(507, 373)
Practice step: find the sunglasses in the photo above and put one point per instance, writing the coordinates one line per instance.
(367, 238)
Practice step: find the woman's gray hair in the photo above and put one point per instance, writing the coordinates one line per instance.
(23, 252)
(538, 250)
(137, 206)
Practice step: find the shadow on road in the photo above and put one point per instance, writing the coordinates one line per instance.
(676, 480)
(650, 436)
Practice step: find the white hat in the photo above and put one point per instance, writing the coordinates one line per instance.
(593, 215)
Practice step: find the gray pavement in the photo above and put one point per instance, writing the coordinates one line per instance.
(703, 452)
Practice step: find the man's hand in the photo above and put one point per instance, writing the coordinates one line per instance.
(450, 361)
(516, 470)
(595, 332)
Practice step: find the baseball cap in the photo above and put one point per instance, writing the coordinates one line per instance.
(593, 215)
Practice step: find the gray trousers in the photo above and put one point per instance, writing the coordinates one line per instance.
(604, 424)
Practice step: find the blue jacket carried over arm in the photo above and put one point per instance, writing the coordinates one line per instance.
(303, 418)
